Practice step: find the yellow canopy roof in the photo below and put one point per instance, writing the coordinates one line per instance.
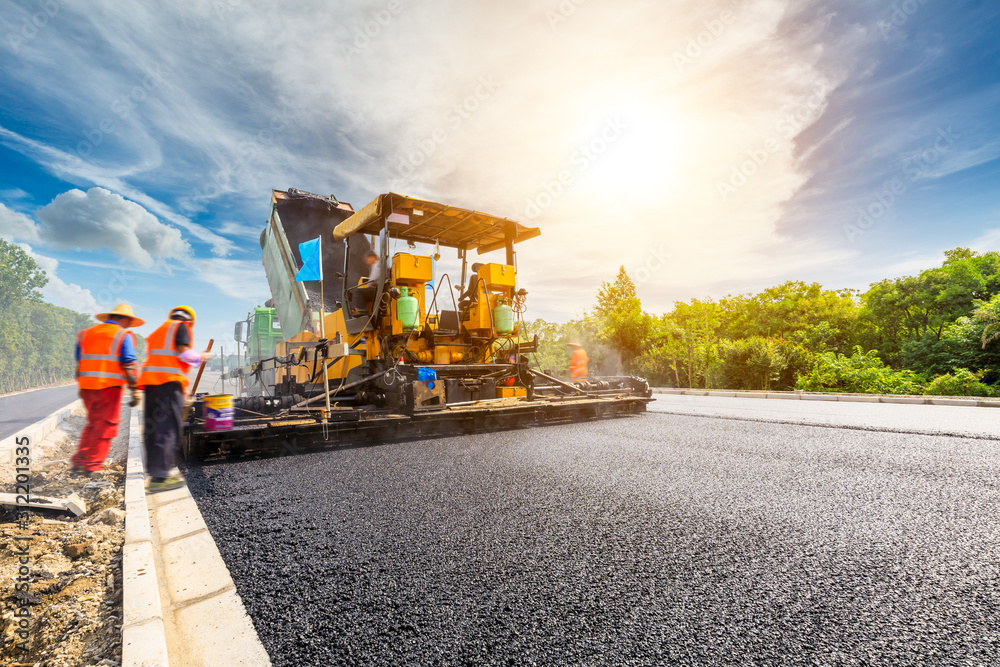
(422, 221)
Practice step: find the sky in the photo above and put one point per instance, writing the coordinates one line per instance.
(710, 147)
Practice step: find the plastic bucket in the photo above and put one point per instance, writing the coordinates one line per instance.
(219, 412)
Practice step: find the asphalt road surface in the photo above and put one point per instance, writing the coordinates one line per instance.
(18, 411)
(714, 539)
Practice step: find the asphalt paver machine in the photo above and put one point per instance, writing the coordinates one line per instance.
(416, 352)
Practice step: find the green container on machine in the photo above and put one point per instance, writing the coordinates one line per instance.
(503, 318)
(407, 310)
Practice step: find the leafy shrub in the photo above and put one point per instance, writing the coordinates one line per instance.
(751, 363)
(962, 383)
(658, 366)
(860, 373)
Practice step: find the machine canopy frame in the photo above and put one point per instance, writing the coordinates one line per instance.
(420, 221)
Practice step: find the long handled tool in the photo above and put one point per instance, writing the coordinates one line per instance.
(201, 369)
(185, 442)
(197, 379)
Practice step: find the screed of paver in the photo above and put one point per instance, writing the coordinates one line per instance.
(193, 568)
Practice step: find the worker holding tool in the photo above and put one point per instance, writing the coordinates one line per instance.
(164, 379)
(106, 362)
(578, 363)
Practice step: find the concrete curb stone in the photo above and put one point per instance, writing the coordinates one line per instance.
(144, 642)
(202, 609)
(37, 431)
(960, 401)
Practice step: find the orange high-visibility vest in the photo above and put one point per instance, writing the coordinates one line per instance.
(578, 364)
(100, 349)
(162, 365)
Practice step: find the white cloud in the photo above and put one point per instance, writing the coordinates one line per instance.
(102, 219)
(75, 170)
(239, 279)
(15, 225)
(14, 194)
(230, 228)
(61, 293)
(989, 241)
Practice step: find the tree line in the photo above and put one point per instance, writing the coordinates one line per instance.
(37, 339)
(934, 333)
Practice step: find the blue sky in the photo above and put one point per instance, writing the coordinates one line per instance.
(710, 147)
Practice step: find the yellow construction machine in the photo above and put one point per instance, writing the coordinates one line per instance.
(395, 342)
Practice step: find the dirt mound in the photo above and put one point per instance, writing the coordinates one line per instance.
(70, 612)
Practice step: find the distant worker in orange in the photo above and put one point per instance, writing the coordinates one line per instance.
(106, 363)
(164, 378)
(578, 363)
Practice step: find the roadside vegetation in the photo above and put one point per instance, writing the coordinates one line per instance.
(934, 333)
(37, 339)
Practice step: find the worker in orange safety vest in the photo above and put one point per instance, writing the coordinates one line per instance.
(106, 363)
(164, 379)
(578, 363)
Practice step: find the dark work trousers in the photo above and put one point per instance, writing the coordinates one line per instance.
(162, 426)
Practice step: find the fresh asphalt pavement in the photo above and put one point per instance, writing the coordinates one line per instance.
(18, 411)
(690, 539)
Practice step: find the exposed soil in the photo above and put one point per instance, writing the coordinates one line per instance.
(74, 564)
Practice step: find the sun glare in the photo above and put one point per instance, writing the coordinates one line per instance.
(635, 152)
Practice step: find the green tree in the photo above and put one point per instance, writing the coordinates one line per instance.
(819, 319)
(20, 277)
(37, 339)
(623, 324)
(920, 308)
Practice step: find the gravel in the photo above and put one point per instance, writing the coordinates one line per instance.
(638, 541)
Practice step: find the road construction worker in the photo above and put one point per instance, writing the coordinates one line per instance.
(169, 357)
(106, 363)
(369, 286)
(374, 267)
(578, 363)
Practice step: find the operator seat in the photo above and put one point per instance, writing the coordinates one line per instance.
(471, 293)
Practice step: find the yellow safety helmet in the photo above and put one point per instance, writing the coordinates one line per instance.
(188, 310)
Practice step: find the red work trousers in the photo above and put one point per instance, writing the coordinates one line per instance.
(103, 416)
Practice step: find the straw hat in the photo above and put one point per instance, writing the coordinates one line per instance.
(574, 344)
(123, 310)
